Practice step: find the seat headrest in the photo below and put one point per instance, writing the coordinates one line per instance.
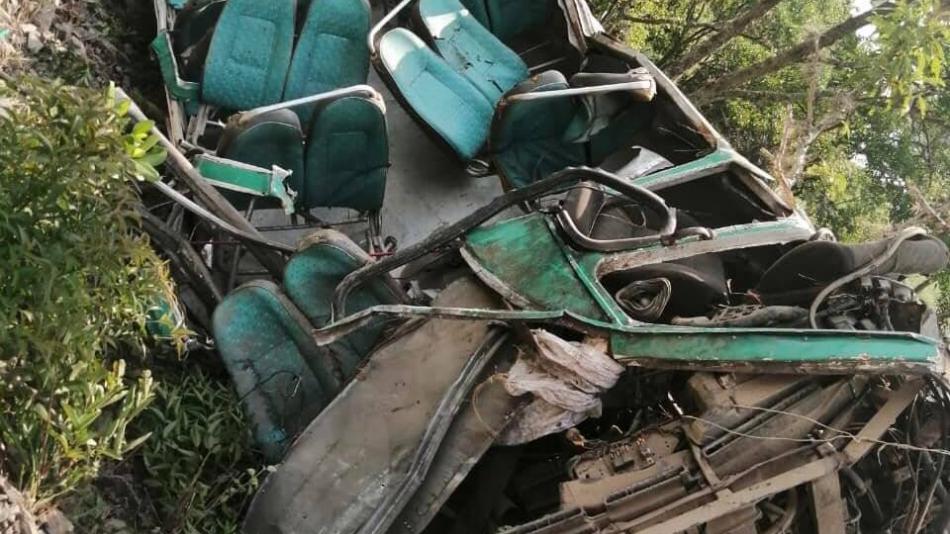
(601, 108)
(236, 126)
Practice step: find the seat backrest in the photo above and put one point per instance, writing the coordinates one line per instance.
(510, 18)
(331, 50)
(311, 277)
(273, 138)
(347, 156)
(438, 95)
(249, 54)
(479, 10)
(528, 137)
(283, 378)
(471, 49)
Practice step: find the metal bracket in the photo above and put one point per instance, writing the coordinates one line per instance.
(249, 179)
(180, 89)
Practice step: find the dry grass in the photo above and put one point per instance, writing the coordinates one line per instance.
(25, 23)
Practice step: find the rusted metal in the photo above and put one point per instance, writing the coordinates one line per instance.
(710, 503)
(446, 235)
(828, 505)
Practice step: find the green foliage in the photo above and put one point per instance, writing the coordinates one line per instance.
(912, 40)
(142, 146)
(871, 111)
(839, 194)
(76, 284)
(195, 474)
(200, 472)
(199, 468)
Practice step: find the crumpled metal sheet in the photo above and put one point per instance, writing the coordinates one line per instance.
(565, 379)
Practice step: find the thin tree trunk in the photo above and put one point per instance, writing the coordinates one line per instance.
(795, 54)
(726, 33)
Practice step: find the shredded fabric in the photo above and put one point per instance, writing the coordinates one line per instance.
(565, 379)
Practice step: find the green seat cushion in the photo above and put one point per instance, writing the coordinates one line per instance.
(273, 138)
(479, 10)
(528, 137)
(510, 19)
(311, 277)
(331, 50)
(471, 49)
(347, 156)
(282, 377)
(442, 98)
(249, 54)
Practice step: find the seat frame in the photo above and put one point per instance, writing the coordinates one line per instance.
(482, 164)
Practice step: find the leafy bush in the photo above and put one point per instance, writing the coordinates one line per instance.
(76, 282)
(199, 469)
(195, 474)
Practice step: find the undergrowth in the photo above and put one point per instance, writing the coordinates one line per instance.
(77, 283)
(195, 475)
(149, 442)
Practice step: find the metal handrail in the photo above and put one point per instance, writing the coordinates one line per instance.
(335, 94)
(647, 86)
(374, 31)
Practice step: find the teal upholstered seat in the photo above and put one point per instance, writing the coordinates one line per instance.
(531, 139)
(471, 49)
(273, 138)
(331, 50)
(479, 10)
(263, 335)
(441, 97)
(250, 54)
(510, 19)
(310, 278)
(343, 162)
(282, 377)
(347, 156)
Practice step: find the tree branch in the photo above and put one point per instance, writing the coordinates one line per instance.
(727, 31)
(928, 211)
(664, 21)
(795, 54)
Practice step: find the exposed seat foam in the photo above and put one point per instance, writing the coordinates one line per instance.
(445, 100)
(331, 50)
(471, 49)
(250, 54)
(280, 374)
(347, 156)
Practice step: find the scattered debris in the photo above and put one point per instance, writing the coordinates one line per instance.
(658, 342)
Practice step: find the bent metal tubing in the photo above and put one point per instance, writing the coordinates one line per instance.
(828, 352)
(219, 211)
(446, 235)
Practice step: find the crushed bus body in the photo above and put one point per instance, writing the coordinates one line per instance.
(511, 280)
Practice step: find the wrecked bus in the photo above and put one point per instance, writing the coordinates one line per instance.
(511, 280)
